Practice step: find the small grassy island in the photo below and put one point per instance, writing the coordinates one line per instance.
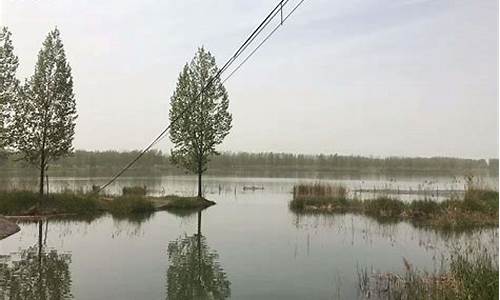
(21, 204)
(478, 208)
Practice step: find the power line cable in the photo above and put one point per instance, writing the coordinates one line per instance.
(262, 42)
(228, 63)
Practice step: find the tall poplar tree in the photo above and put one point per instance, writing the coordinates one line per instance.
(8, 83)
(44, 116)
(200, 121)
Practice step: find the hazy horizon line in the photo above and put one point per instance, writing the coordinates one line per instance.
(301, 153)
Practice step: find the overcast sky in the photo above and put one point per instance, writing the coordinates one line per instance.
(367, 77)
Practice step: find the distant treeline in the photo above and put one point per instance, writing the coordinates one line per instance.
(104, 163)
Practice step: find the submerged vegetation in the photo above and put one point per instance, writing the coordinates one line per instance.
(479, 207)
(472, 274)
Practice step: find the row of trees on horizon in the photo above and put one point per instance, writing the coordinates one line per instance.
(153, 161)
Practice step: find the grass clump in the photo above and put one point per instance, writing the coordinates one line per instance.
(73, 203)
(480, 200)
(478, 208)
(318, 190)
(134, 191)
(478, 277)
(423, 208)
(17, 201)
(319, 196)
(129, 205)
(468, 277)
(27, 203)
(384, 207)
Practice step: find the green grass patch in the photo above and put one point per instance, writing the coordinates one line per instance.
(129, 205)
(477, 276)
(480, 200)
(470, 275)
(384, 207)
(27, 203)
(478, 208)
(423, 208)
(24, 203)
(134, 191)
(17, 201)
(321, 197)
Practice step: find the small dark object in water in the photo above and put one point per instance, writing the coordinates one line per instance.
(95, 188)
(252, 188)
(134, 191)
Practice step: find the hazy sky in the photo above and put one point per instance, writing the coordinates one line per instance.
(368, 77)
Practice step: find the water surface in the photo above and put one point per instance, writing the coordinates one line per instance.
(248, 246)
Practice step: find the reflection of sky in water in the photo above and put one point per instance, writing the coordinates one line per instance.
(265, 250)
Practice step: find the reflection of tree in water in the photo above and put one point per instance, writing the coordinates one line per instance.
(34, 273)
(194, 271)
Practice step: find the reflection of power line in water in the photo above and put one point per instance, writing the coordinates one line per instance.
(277, 11)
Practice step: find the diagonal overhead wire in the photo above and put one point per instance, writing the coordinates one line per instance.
(263, 41)
(278, 9)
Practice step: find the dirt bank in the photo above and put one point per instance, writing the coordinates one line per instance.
(7, 228)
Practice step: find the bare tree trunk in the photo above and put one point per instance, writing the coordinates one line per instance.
(199, 178)
(199, 184)
(42, 177)
(42, 174)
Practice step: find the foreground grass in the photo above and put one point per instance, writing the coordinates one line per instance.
(25, 203)
(471, 275)
(478, 208)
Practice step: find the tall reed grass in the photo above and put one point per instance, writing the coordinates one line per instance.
(472, 274)
(479, 207)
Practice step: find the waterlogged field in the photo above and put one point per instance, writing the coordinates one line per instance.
(248, 246)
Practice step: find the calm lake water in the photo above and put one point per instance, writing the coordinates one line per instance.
(251, 245)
